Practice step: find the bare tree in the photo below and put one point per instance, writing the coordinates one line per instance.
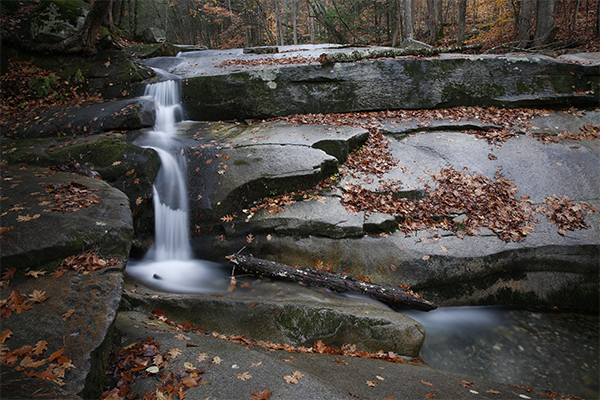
(544, 22)
(462, 14)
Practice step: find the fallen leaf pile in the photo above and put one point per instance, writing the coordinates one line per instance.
(28, 359)
(267, 61)
(71, 196)
(566, 214)
(86, 262)
(20, 100)
(33, 361)
(374, 157)
(142, 359)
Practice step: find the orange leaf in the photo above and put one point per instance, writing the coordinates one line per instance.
(68, 314)
(191, 380)
(40, 347)
(56, 354)
(5, 335)
(262, 395)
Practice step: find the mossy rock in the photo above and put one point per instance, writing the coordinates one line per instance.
(129, 168)
(56, 20)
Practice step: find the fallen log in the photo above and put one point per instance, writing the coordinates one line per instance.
(398, 297)
(358, 55)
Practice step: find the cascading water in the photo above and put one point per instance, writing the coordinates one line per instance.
(169, 264)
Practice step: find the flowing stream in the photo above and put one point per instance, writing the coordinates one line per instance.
(553, 350)
(169, 265)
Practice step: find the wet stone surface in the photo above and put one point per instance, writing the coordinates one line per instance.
(556, 350)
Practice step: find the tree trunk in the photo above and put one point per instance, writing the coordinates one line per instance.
(93, 21)
(462, 14)
(544, 22)
(295, 21)
(524, 34)
(398, 297)
(409, 10)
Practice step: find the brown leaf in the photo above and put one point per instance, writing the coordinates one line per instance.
(262, 395)
(191, 380)
(371, 383)
(68, 314)
(426, 383)
(243, 376)
(56, 354)
(35, 274)
(202, 357)
(5, 335)
(40, 347)
(174, 352)
(38, 296)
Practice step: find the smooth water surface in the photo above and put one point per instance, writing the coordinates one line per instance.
(557, 351)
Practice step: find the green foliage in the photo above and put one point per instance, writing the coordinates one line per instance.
(43, 86)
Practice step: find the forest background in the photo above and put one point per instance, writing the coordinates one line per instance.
(496, 24)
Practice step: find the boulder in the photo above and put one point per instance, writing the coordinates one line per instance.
(289, 314)
(154, 35)
(54, 21)
(118, 115)
(48, 216)
(449, 80)
(235, 164)
(108, 156)
(547, 268)
(39, 234)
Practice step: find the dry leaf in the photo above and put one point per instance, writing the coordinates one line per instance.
(262, 395)
(191, 380)
(188, 365)
(294, 378)
(5, 335)
(371, 383)
(255, 364)
(68, 314)
(249, 238)
(35, 274)
(38, 296)
(217, 360)
(426, 383)
(202, 357)
(56, 354)
(426, 257)
(244, 376)
(174, 352)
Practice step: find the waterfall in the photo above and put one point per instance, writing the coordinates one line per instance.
(169, 264)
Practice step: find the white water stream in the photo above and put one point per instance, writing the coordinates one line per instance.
(169, 265)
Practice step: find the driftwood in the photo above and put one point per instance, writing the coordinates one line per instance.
(395, 296)
(327, 58)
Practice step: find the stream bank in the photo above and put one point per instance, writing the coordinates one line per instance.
(217, 237)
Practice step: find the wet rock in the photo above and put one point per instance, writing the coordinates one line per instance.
(288, 314)
(251, 162)
(40, 237)
(109, 156)
(449, 80)
(119, 115)
(546, 268)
